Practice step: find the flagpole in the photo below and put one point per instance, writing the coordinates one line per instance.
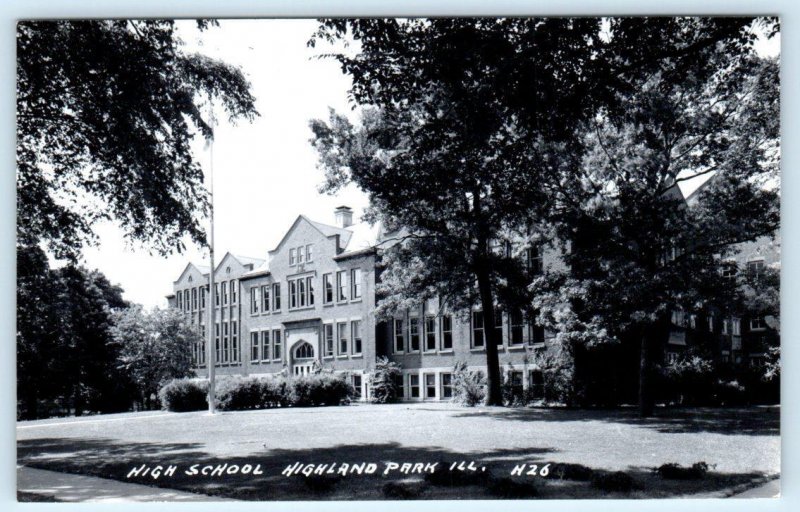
(212, 355)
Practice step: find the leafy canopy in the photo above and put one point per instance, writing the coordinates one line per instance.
(106, 111)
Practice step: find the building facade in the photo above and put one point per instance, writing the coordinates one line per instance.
(310, 306)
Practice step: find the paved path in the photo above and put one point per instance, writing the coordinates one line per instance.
(74, 488)
(771, 489)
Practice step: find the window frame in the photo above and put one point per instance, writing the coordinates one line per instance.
(355, 283)
(430, 321)
(447, 333)
(398, 334)
(328, 291)
(355, 325)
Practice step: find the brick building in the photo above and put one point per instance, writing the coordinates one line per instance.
(311, 305)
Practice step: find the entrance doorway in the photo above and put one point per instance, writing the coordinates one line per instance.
(303, 359)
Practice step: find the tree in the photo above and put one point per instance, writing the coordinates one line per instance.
(106, 111)
(472, 138)
(155, 347)
(637, 252)
(64, 348)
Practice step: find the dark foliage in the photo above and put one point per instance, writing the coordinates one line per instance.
(402, 491)
(184, 395)
(674, 471)
(508, 488)
(565, 471)
(321, 484)
(618, 481)
(106, 111)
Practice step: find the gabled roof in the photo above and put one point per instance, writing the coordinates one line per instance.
(200, 268)
(260, 271)
(245, 261)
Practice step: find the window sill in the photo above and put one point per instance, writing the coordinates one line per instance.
(303, 308)
(516, 347)
(360, 299)
(477, 349)
(264, 313)
(357, 356)
(342, 357)
(446, 351)
(328, 304)
(429, 352)
(328, 358)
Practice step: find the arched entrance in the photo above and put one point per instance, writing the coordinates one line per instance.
(303, 358)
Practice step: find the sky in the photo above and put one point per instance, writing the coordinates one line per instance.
(265, 172)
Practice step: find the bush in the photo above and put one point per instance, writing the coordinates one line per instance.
(183, 395)
(243, 393)
(469, 388)
(673, 471)
(384, 381)
(320, 389)
(614, 482)
(511, 489)
(402, 491)
(321, 484)
(455, 478)
(564, 471)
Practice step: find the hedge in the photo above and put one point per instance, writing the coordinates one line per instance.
(243, 393)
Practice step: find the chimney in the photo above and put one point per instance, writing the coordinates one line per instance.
(344, 216)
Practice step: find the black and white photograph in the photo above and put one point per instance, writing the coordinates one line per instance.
(405, 258)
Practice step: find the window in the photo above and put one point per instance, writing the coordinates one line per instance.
(292, 294)
(536, 384)
(186, 304)
(327, 285)
(672, 357)
(536, 336)
(399, 384)
(342, 331)
(276, 297)
(310, 290)
(517, 328)
(725, 329)
(355, 327)
(737, 327)
(729, 269)
(216, 295)
(203, 293)
(447, 332)
(515, 381)
(265, 348)
(226, 346)
(217, 344)
(430, 333)
(447, 385)
(292, 256)
(194, 299)
(430, 385)
(341, 285)
(357, 386)
(276, 344)
(234, 342)
(413, 384)
(301, 253)
(693, 321)
(413, 334)
(534, 259)
(301, 292)
(477, 329)
(328, 331)
(710, 324)
(304, 351)
(265, 298)
(234, 287)
(757, 323)
(254, 300)
(355, 280)
(755, 268)
(224, 287)
(309, 253)
(179, 296)
(399, 335)
(255, 347)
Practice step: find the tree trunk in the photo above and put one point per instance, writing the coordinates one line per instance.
(494, 395)
(654, 336)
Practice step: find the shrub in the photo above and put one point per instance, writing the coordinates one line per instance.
(183, 395)
(321, 484)
(469, 388)
(384, 381)
(320, 389)
(673, 471)
(507, 488)
(455, 478)
(563, 471)
(618, 481)
(241, 393)
(402, 491)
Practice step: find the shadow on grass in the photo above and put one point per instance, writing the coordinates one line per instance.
(114, 460)
(751, 421)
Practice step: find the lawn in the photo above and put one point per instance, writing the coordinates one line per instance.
(741, 446)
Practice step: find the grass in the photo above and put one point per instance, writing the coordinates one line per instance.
(740, 445)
